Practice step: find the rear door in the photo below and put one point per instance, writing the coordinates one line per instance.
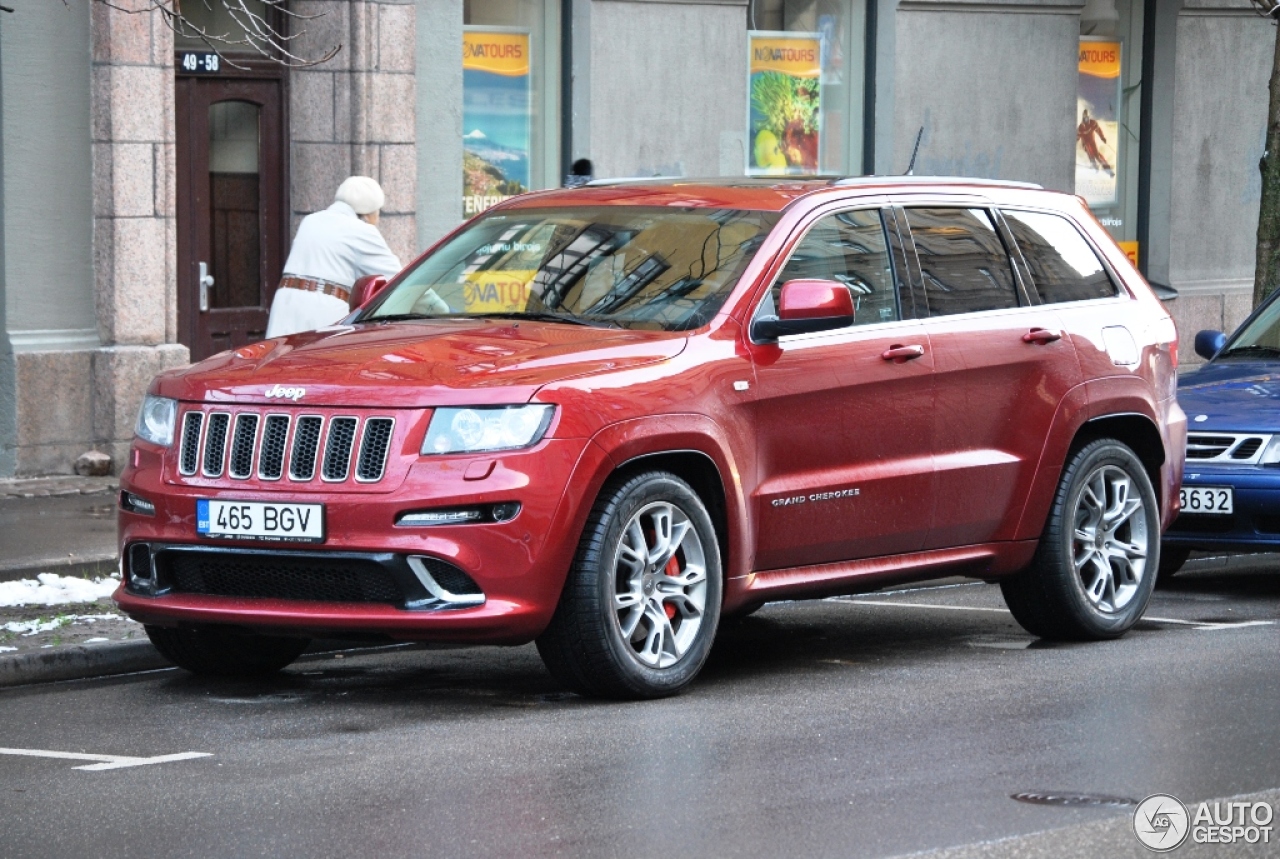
(1001, 367)
(844, 433)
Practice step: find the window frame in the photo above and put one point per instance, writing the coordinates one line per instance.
(1031, 288)
(894, 245)
(903, 204)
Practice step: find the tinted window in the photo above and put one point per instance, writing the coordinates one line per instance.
(1062, 264)
(614, 266)
(962, 260)
(849, 248)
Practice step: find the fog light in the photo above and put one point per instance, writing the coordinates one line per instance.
(505, 512)
(131, 503)
(441, 517)
(141, 571)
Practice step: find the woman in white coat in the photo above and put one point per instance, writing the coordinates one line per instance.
(333, 249)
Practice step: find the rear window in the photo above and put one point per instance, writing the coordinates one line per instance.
(1063, 265)
(963, 262)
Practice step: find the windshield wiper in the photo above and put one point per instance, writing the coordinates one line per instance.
(409, 317)
(1251, 350)
(543, 317)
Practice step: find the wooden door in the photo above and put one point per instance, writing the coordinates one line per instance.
(231, 209)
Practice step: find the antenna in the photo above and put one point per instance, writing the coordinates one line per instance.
(911, 168)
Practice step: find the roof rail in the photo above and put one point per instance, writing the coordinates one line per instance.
(630, 180)
(934, 180)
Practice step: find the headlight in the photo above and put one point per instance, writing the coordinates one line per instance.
(1271, 455)
(485, 428)
(156, 419)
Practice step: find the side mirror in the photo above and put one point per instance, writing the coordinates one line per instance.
(366, 289)
(805, 306)
(1209, 343)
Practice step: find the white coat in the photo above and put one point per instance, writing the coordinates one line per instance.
(332, 245)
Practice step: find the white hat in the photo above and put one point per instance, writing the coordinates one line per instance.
(361, 193)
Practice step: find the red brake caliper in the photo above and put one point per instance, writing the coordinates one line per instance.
(672, 569)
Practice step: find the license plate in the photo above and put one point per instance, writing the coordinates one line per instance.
(258, 520)
(1213, 500)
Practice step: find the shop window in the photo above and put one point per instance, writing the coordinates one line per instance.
(1108, 116)
(806, 64)
(511, 111)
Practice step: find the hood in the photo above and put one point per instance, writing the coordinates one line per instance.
(416, 364)
(1232, 396)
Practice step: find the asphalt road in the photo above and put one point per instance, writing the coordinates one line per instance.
(880, 725)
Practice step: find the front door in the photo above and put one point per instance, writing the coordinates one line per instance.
(231, 209)
(844, 418)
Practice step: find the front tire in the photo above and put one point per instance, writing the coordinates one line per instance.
(642, 601)
(223, 653)
(1096, 564)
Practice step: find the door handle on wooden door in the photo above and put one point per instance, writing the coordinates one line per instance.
(206, 281)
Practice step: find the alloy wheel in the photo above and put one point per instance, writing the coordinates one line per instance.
(1110, 543)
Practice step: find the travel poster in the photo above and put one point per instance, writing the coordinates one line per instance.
(1098, 122)
(496, 117)
(784, 101)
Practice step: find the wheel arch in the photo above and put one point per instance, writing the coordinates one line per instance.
(1137, 431)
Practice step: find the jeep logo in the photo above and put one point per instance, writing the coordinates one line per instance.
(278, 392)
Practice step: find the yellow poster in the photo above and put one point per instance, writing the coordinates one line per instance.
(1098, 110)
(784, 85)
(497, 291)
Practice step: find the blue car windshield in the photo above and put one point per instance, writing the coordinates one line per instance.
(1260, 338)
(660, 268)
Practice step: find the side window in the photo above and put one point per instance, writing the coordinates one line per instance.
(1062, 264)
(848, 247)
(963, 261)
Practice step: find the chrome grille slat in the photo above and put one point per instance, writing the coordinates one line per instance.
(374, 445)
(337, 449)
(243, 444)
(252, 443)
(189, 459)
(215, 443)
(306, 441)
(1226, 448)
(275, 435)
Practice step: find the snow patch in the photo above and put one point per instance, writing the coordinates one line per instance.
(52, 589)
(31, 627)
(8, 650)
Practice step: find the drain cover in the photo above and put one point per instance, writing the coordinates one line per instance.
(1046, 797)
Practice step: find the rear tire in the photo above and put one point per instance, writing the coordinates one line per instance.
(640, 607)
(223, 653)
(1094, 570)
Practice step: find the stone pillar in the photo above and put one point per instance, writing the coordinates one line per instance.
(355, 114)
(134, 208)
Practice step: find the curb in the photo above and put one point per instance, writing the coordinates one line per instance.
(78, 661)
(86, 566)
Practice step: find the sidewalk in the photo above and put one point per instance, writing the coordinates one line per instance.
(63, 525)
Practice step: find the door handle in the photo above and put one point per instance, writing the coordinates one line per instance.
(1041, 336)
(902, 354)
(206, 281)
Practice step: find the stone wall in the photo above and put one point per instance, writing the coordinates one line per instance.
(355, 114)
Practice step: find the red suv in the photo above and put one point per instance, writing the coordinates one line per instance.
(603, 419)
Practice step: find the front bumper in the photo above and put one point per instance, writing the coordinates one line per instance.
(1253, 526)
(517, 567)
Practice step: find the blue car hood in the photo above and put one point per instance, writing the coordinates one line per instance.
(1239, 396)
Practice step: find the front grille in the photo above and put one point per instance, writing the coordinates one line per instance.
(235, 442)
(1226, 448)
(279, 577)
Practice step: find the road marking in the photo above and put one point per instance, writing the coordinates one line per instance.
(1197, 624)
(105, 762)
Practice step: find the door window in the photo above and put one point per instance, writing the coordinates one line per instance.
(1062, 264)
(963, 262)
(234, 204)
(848, 247)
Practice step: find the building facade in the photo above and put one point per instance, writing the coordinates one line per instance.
(149, 187)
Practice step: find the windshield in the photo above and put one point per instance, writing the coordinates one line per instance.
(1260, 338)
(615, 266)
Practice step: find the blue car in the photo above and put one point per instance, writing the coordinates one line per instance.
(1231, 486)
